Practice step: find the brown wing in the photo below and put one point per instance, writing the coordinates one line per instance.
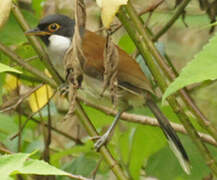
(129, 70)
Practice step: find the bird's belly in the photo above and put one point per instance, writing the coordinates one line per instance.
(92, 89)
(57, 63)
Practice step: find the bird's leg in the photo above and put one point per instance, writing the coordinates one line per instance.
(63, 89)
(104, 138)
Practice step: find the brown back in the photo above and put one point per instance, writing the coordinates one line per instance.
(129, 70)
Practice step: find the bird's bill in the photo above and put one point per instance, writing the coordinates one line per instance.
(36, 32)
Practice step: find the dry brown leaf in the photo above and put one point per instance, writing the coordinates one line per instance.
(74, 57)
(111, 60)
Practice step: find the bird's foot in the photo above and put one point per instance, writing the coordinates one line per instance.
(102, 140)
(63, 89)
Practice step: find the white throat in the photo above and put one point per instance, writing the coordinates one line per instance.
(58, 44)
(56, 50)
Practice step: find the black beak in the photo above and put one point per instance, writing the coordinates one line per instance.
(36, 32)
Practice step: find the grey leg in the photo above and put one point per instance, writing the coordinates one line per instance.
(104, 138)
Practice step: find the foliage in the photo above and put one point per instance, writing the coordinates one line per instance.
(141, 150)
(5, 68)
(202, 67)
(21, 163)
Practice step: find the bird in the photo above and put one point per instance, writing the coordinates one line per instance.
(57, 30)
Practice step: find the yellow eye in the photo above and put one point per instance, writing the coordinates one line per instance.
(53, 27)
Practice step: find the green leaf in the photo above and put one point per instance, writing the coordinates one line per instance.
(98, 118)
(164, 161)
(145, 141)
(73, 151)
(202, 67)
(34, 166)
(37, 5)
(5, 68)
(11, 33)
(20, 163)
(83, 165)
(127, 44)
(7, 126)
(11, 163)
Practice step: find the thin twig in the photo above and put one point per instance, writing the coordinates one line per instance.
(96, 169)
(27, 60)
(47, 131)
(21, 99)
(76, 140)
(5, 150)
(26, 66)
(19, 117)
(178, 12)
(29, 117)
(114, 165)
(151, 8)
(78, 177)
(26, 77)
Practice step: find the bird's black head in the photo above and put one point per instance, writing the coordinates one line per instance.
(53, 24)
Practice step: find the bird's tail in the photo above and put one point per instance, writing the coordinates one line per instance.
(173, 139)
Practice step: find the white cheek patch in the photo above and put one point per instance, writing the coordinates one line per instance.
(58, 44)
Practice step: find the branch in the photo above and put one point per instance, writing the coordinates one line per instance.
(26, 66)
(78, 177)
(171, 74)
(145, 120)
(143, 42)
(114, 165)
(151, 8)
(20, 99)
(178, 12)
(30, 116)
(77, 141)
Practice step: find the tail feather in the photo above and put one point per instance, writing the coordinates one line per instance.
(173, 139)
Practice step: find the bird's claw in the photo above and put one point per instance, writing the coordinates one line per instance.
(63, 89)
(101, 141)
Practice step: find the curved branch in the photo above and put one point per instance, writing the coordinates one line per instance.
(146, 120)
